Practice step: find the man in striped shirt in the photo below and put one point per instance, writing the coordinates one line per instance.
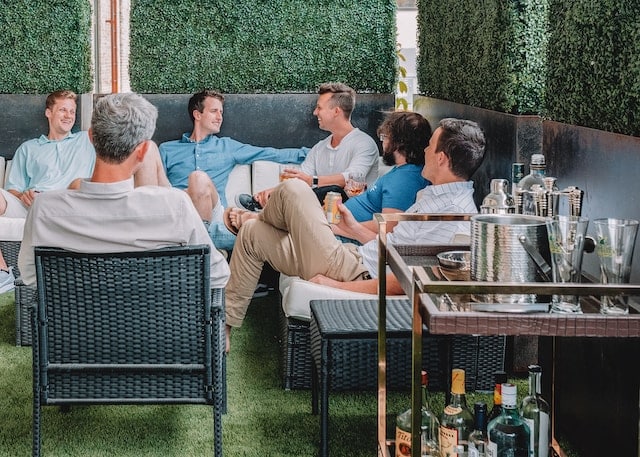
(292, 233)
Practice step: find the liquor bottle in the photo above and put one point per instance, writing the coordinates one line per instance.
(456, 422)
(478, 437)
(525, 202)
(499, 377)
(429, 428)
(509, 434)
(535, 411)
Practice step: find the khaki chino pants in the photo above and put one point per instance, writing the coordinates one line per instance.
(293, 236)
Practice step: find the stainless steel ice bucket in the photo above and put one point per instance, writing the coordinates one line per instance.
(504, 248)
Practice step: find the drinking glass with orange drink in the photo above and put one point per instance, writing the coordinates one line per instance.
(286, 169)
(355, 184)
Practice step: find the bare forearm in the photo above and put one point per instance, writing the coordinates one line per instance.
(369, 286)
(331, 180)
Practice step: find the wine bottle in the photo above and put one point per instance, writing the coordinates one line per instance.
(456, 422)
(535, 410)
(509, 434)
(499, 378)
(429, 428)
(478, 437)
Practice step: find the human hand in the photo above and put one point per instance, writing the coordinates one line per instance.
(28, 196)
(297, 173)
(263, 196)
(348, 224)
(324, 280)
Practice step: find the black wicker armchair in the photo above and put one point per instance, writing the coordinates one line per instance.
(128, 328)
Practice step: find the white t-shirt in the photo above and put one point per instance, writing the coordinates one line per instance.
(356, 153)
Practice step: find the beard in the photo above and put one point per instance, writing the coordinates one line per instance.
(388, 158)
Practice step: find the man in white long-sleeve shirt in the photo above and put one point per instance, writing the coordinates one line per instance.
(107, 213)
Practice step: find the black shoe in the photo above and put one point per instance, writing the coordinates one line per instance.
(262, 290)
(246, 201)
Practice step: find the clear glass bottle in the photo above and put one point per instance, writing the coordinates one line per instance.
(478, 437)
(509, 434)
(536, 411)
(525, 203)
(429, 428)
(499, 377)
(456, 422)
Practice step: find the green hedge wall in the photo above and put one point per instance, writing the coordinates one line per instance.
(576, 62)
(594, 64)
(45, 46)
(253, 46)
(489, 54)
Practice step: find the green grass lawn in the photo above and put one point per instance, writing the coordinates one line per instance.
(263, 419)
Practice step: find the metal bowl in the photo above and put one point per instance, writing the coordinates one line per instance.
(455, 260)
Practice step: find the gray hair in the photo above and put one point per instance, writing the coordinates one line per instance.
(120, 122)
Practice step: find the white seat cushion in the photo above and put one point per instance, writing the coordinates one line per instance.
(239, 183)
(264, 175)
(11, 228)
(297, 293)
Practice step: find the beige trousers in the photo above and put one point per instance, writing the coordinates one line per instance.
(293, 236)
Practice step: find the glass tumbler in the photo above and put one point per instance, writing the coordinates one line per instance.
(616, 239)
(566, 245)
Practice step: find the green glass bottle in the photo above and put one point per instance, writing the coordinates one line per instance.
(456, 422)
(429, 428)
(536, 411)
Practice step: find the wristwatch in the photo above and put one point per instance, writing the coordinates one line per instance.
(314, 183)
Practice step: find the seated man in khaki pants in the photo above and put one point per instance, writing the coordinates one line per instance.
(293, 235)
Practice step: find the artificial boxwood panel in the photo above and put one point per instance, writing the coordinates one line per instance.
(489, 54)
(575, 62)
(594, 64)
(45, 46)
(253, 46)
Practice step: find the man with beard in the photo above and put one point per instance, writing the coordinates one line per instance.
(404, 136)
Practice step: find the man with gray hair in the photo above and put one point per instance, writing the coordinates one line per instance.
(107, 213)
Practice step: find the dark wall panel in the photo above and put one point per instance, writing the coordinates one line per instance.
(279, 120)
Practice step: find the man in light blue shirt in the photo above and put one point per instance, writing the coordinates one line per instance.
(46, 163)
(200, 162)
(51, 161)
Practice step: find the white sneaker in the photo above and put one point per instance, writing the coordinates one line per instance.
(7, 280)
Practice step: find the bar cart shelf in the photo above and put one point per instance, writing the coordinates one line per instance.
(414, 266)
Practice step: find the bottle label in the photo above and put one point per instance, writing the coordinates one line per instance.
(492, 449)
(532, 435)
(403, 443)
(543, 437)
(452, 410)
(448, 441)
